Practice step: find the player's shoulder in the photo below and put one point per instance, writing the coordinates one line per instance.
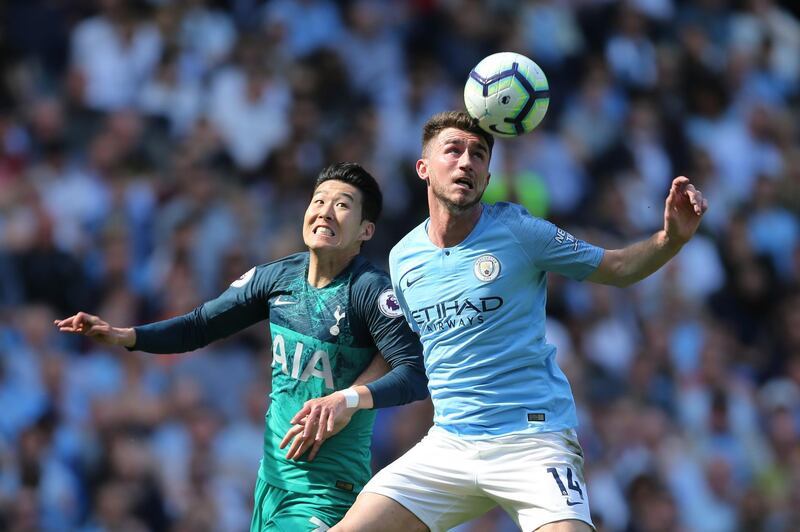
(367, 275)
(372, 289)
(507, 212)
(285, 265)
(413, 239)
(516, 219)
(512, 227)
(282, 268)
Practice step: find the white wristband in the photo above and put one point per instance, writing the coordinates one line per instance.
(350, 397)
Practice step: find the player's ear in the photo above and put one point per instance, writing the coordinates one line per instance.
(367, 230)
(422, 169)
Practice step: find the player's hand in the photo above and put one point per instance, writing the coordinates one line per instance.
(300, 444)
(683, 211)
(318, 420)
(321, 414)
(96, 328)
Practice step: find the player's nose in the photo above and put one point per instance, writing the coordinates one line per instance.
(465, 161)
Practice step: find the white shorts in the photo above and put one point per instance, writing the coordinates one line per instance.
(445, 480)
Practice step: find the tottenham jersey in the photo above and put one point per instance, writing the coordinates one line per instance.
(322, 340)
(479, 308)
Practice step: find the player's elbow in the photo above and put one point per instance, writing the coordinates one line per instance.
(419, 390)
(416, 384)
(623, 281)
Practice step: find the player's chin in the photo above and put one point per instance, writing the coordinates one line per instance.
(461, 195)
(313, 239)
(466, 199)
(318, 246)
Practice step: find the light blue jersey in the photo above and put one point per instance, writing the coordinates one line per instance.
(479, 308)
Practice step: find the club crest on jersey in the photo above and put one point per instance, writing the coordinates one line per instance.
(337, 315)
(486, 268)
(388, 305)
(241, 281)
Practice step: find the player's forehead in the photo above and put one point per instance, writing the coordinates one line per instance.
(452, 135)
(333, 188)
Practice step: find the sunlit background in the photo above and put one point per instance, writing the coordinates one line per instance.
(153, 151)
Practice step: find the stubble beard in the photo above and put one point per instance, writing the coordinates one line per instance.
(456, 208)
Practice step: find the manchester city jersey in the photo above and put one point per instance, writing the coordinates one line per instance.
(479, 308)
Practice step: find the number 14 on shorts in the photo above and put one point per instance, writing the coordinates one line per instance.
(571, 483)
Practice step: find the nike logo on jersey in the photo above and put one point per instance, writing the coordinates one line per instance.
(282, 300)
(410, 281)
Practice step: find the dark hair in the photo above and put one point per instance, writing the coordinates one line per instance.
(455, 119)
(355, 175)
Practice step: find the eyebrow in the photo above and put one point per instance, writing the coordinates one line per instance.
(345, 194)
(453, 140)
(477, 146)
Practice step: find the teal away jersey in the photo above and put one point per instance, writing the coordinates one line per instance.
(322, 339)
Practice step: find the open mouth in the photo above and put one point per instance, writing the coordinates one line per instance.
(464, 182)
(324, 231)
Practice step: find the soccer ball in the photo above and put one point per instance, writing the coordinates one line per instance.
(508, 94)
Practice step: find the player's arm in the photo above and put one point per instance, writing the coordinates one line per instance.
(386, 382)
(321, 418)
(375, 371)
(406, 381)
(396, 377)
(237, 308)
(97, 329)
(683, 211)
(403, 383)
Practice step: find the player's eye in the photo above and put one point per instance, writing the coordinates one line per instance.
(343, 204)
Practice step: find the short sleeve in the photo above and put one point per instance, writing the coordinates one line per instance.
(549, 247)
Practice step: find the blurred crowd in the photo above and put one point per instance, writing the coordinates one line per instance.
(151, 151)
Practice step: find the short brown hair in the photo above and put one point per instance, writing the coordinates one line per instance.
(455, 119)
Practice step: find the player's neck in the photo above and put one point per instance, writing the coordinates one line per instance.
(447, 228)
(324, 267)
